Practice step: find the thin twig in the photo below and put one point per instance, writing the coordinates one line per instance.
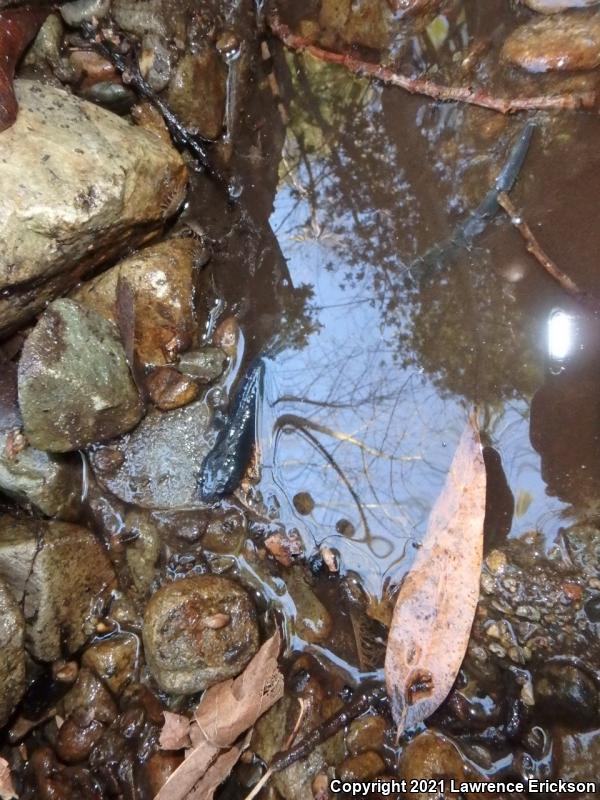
(534, 248)
(336, 722)
(461, 94)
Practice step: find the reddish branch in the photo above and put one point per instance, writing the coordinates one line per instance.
(461, 94)
(542, 258)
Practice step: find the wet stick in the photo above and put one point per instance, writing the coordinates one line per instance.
(332, 725)
(460, 94)
(535, 249)
(108, 43)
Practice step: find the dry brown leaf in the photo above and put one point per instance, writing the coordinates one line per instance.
(226, 710)
(230, 708)
(7, 790)
(436, 604)
(218, 771)
(175, 734)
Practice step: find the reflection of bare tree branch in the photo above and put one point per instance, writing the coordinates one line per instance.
(301, 429)
(462, 94)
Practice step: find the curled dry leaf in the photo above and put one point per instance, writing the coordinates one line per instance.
(226, 711)
(7, 790)
(18, 27)
(436, 604)
(175, 734)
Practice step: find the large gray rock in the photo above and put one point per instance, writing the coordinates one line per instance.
(12, 654)
(59, 573)
(33, 478)
(77, 185)
(74, 383)
(157, 465)
(199, 631)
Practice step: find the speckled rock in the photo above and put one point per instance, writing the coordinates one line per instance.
(162, 281)
(157, 464)
(32, 478)
(199, 631)
(74, 383)
(566, 42)
(197, 92)
(12, 653)
(59, 573)
(104, 184)
(431, 756)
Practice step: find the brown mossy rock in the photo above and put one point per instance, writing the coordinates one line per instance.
(59, 573)
(162, 283)
(78, 185)
(75, 387)
(199, 631)
(12, 653)
(197, 92)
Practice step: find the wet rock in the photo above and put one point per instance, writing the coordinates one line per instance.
(46, 49)
(577, 758)
(113, 660)
(361, 767)
(227, 336)
(12, 653)
(75, 387)
(204, 365)
(568, 42)
(366, 733)
(197, 92)
(184, 653)
(285, 547)
(167, 18)
(554, 6)
(79, 11)
(32, 478)
(156, 61)
(431, 756)
(159, 768)
(142, 553)
(160, 458)
(274, 728)
(312, 622)
(54, 781)
(365, 23)
(162, 280)
(59, 573)
(566, 694)
(169, 389)
(88, 694)
(102, 185)
(77, 736)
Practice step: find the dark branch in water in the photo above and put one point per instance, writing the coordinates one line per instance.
(460, 94)
(376, 697)
(108, 44)
(535, 249)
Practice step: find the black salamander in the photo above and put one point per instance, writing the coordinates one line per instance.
(225, 465)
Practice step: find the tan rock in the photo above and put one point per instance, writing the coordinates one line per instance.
(197, 92)
(12, 653)
(77, 185)
(161, 279)
(561, 43)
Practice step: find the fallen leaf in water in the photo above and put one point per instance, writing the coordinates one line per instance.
(436, 604)
(226, 711)
(175, 734)
(18, 27)
(7, 790)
